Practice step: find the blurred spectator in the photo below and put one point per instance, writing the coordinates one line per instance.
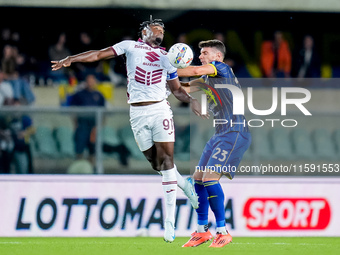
(233, 59)
(117, 72)
(182, 38)
(85, 134)
(6, 146)
(21, 127)
(5, 39)
(276, 60)
(59, 51)
(10, 64)
(16, 41)
(6, 91)
(307, 62)
(83, 69)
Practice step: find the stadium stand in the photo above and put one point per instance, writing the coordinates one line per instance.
(64, 139)
(324, 145)
(303, 146)
(281, 142)
(110, 135)
(126, 136)
(261, 144)
(337, 140)
(45, 143)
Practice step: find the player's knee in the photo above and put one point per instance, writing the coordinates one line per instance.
(211, 177)
(156, 166)
(197, 176)
(166, 162)
(154, 163)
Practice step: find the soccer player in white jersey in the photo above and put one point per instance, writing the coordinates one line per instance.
(149, 70)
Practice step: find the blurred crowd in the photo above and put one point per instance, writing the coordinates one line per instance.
(20, 70)
(19, 64)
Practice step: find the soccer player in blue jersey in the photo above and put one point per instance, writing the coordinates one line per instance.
(225, 149)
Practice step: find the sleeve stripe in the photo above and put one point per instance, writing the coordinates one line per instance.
(114, 51)
(212, 75)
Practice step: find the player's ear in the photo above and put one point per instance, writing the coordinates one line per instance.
(219, 55)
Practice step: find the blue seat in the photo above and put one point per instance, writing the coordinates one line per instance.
(261, 144)
(302, 144)
(337, 140)
(65, 141)
(198, 140)
(110, 136)
(249, 154)
(281, 142)
(45, 142)
(127, 138)
(324, 145)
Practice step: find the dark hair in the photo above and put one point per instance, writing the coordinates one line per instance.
(151, 22)
(217, 44)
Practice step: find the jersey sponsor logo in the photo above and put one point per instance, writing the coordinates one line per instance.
(210, 91)
(210, 95)
(148, 78)
(287, 213)
(152, 56)
(142, 47)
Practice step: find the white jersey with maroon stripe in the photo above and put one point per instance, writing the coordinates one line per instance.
(148, 69)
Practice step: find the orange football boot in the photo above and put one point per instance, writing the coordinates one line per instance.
(198, 239)
(221, 240)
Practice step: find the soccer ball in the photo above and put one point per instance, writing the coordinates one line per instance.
(180, 55)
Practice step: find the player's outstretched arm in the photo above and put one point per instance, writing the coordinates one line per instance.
(88, 56)
(191, 71)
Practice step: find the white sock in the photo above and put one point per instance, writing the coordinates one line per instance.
(222, 230)
(169, 184)
(201, 228)
(180, 179)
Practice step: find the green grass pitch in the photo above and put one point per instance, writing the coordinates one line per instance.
(151, 245)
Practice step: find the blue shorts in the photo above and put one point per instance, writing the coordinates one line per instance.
(223, 153)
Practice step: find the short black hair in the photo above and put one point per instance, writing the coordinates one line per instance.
(217, 44)
(151, 22)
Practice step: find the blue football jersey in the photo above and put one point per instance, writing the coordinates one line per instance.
(220, 100)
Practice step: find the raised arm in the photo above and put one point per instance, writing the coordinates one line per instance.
(191, 71)
(88, 56)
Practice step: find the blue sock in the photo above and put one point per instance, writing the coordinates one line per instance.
(216, 201)
(202, 210)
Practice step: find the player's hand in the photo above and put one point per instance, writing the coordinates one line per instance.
(196, 108)
(61, 63)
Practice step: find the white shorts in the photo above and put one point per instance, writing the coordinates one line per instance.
(152, 123)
